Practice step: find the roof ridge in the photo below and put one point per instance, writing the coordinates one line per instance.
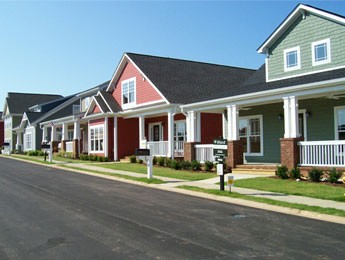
(191, 61)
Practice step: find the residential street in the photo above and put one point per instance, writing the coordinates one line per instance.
(47, 213)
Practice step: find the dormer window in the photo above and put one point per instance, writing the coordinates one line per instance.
(76, 109)
(321, 51)
(128, 93)
(292, 59)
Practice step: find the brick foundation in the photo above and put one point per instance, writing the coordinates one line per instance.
(289, 153)
(235, 153)
(189, 151)
(75, 149)
(63, 146)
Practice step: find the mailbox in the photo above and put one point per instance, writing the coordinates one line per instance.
(142, 152)
(45, 146)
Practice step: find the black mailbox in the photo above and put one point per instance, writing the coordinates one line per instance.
(45, 146)
(6, 144)
(142, 152)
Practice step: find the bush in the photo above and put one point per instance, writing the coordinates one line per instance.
(176, 165)
(315, 174)
(105, 159)
(33, 153)
(334, 175)
(208, 166)
(168, 162)
(133, 159)
(84, 157)
(295, 173)
(140, 161)
(186, 165)
(161, 161)
(196, 166)
(282, 172)
(154, 160)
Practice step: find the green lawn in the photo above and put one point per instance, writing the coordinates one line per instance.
(55, 158)
(329, 211)
(159, 171)
(302, 188)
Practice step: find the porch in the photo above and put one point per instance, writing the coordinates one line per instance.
(161, 148)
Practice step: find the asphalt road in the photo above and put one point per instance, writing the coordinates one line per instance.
(52, 214)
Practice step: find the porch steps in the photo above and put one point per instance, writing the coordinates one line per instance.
(125, 159)
(268, 169)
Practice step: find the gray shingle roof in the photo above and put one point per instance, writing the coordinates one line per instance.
(109, 99)
(102, 104)
(19, 102)
(183, 82)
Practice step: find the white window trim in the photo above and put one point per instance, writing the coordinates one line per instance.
(328, 60)
(336, 133)
(94, 127)
(26, 147)
(131, 104)
(297, 48)
(260, 117)
(161, 130)
(305, 125)
(181, 121)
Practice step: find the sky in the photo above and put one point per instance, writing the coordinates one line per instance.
(64, 47)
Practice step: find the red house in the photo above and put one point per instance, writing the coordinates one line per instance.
(141, 107)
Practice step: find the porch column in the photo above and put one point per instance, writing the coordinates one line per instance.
(44, 134)
(170, 135)
(235, 145)
(19, 144)
(105, 137)
(142, 139)
(76, 138)
(115, 140)
(64, 137)
(289, 152)
(193, 135)
(53, 139)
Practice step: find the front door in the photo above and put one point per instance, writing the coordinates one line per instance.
(156, 133)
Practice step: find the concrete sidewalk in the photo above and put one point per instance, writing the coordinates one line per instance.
(211, 184)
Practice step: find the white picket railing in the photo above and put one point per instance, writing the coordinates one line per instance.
(204, 152)
(322, 153)
(69, 147)
(179, 148)
(158, 148)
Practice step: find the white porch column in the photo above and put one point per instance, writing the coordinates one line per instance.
(171, 135)
(192, 126)
(142, 139)
(115, 139)
(105, 137)
(53, 136)
(44, 134)
(64, 135)
(76, 130)
(291, 117)
(19, 141)
(233, 119)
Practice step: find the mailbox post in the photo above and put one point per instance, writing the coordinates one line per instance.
(144, 154)
(220, 150)
(7, 148)
(47, 148)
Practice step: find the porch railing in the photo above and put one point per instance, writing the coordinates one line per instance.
(204, 152)
(179, 148)
(322, 153)
(69, 147)
(159, 148)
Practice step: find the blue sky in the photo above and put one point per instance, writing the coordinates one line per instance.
(63, 47)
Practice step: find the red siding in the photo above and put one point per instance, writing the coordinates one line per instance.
(163, 120)
(111, 138)
(179, 117)
(95, 110)
(2, 135)
(127, 136)
(97, 121)
(145, 92)
(211, 127)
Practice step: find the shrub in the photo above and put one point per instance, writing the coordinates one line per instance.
(176, 165)
(282, 172)
(161, 161)
(33, 153)
(133, 159)
(334, 175)
(295, 173)
(168, 162)
(186, 165)
(196, 166)
(105, 159)
(315, 174)
(154, 160)
(140, 161)
(100, 158)
(208, 166)
(84, 157)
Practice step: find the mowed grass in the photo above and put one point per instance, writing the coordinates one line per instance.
(328, 211)
(292, 187)
(159, 171)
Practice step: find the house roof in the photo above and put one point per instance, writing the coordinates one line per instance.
(299, 10)
(183, 81)
(110, 101)
(101, 103)
(18, 103)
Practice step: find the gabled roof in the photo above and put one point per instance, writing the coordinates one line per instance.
(299, 10)
(101, 104)
(18, 103)
(183, 81)
(110, 101)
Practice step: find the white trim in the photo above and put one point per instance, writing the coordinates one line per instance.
(328, 53)
(100, 107)
(105, 101)
(336, 109)
(90, 147)
(161, 131)
(260, 117)
(134, 102)
(142, 105)
(296, 49)
(105, 137)
(115, 140)
(305, 124)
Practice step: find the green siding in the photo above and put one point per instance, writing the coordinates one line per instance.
(303, 32)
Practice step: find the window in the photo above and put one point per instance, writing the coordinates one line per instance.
(180, 135)
(292, 60)
(340, 123)
(128, 92)
(96, 138)
(70, 134)
(27, 141)
(76, 109)
(321, 51)
(251, 134)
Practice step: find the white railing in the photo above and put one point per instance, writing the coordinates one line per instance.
(179, 148)
(322, 153)
(69, 147)
(159, 148)
(204, 152)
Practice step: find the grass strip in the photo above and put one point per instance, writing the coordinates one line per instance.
(159, 171)
(328, 211)
(39, 159)
(292, 187)
(141, 179)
